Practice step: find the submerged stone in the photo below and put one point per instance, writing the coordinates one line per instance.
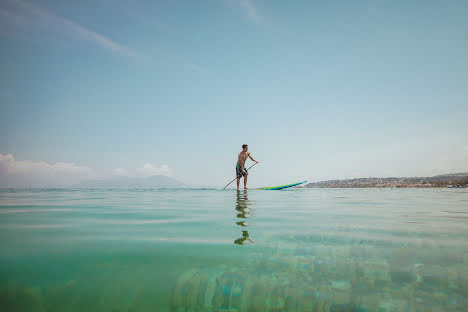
(402, 276)
(341, 285)
(346, 307)
(20, 297)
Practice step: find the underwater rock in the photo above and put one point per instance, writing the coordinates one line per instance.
(347, 307)
(275, 303)
(182, 287)
(70, 284)
(402, 276)
(239, 290)
(341, 285)
(320, 281)
(393, 305)
(210, 291)
(462, 283)
(440, 297)
(19, 297)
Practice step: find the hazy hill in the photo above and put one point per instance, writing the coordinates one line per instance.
(157, 181)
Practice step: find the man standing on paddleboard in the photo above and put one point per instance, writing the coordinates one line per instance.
(240, 166)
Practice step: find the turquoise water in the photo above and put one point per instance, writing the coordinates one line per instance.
(212, 250)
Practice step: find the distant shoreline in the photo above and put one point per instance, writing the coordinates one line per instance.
(387, 187)
(456, 180)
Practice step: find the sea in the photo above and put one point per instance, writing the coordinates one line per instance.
(194, 250)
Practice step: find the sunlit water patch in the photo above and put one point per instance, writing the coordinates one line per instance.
(213, 250)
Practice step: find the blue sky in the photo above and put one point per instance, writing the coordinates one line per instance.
(319, 90)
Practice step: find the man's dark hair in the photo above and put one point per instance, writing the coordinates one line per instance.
(244, 146)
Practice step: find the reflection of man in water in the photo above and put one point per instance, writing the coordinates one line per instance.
(241, 205)
(241, 240)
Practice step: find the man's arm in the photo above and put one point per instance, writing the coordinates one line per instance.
(250, 156)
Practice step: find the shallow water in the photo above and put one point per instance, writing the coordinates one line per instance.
(212, 250)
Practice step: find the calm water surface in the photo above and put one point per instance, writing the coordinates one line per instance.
(212, 250)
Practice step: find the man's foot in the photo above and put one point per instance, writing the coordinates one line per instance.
(246, 188)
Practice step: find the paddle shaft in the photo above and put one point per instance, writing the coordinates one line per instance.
(236, 177)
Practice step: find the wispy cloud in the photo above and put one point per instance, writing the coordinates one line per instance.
(248, 9)
(17, 19)
(30, 13)
(198, 69)
(134, 11)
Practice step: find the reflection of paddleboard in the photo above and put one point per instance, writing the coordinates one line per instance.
(280, 187)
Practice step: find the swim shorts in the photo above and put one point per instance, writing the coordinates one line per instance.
(239, 173)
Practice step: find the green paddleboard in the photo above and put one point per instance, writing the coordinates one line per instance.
(280, 187)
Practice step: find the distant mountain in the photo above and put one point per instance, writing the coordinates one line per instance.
(443, 180)
(451, 176)
(157, 181)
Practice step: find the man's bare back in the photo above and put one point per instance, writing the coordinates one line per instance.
(242, 157)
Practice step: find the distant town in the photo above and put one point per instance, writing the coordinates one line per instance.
(456, 180)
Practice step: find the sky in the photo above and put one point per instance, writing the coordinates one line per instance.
(318, 90)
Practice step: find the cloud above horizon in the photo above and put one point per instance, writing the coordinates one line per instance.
(147, 170)
(26, 173)
(24, 13)
(120, 172)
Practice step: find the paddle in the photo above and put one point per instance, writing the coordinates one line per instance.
(236, 177)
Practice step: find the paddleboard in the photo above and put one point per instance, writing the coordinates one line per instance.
(280, 187)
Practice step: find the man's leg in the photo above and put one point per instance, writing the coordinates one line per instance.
(245, 182)
(238, 182)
